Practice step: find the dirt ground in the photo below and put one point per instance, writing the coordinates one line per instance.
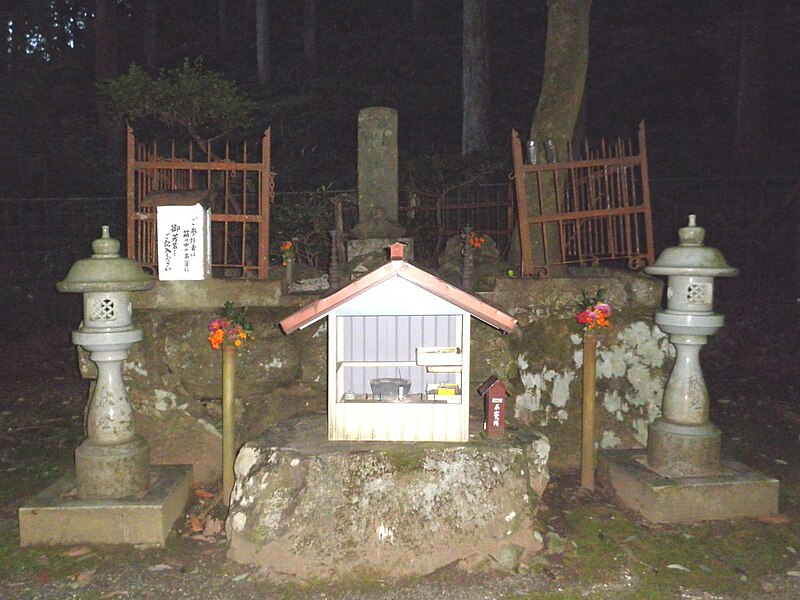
(595, 549)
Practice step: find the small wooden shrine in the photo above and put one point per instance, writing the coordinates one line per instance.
(398, 354)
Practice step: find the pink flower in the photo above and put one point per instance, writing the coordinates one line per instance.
(585, 317)
(601, 308)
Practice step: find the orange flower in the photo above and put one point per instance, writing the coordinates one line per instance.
(475, 240)
(231, 327)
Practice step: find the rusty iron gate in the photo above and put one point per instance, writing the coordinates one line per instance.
(584, 211)
(241, 194)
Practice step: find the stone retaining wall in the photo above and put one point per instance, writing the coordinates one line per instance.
(175, 378)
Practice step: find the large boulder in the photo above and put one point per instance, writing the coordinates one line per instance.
(304, 507)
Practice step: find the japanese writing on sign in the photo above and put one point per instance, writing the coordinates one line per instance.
(180, 245)
(171, 237)
(495, 413)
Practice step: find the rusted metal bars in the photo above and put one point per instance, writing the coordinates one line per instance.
(602, 206)
(147, 171)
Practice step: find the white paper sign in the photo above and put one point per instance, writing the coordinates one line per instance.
(183, 242)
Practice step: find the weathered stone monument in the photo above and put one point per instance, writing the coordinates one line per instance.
(681, 476)
(378, 200)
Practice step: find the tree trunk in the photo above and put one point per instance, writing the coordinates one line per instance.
(566, 60)
(150, 36)
(748, 133)
(475, 77)
(262, 42)
(105, 67)
(419, 22)
(105, 28)
(222, 24)
(310, 35)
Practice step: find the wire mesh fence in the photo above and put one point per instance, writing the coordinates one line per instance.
(754, 221)
(41, 238)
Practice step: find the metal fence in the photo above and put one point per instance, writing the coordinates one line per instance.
(430, 221)
(594, 206)
(754, 221)
(240, 187)
(41, 237)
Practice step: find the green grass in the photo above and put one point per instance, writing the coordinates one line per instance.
(719, 557)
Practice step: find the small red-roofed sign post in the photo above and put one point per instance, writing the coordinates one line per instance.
(494, 394)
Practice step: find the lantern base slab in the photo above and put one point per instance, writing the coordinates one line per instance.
(58, 516)
(736, 491)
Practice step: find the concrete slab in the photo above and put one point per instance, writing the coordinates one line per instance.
(737, 491)
(58, 516)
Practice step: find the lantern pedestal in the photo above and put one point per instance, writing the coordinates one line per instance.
(113, 461)
(112, 471)
(683, 442)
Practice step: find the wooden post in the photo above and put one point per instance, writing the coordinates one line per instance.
(587, 434)
(228, 419)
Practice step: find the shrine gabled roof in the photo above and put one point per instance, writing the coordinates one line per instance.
(398, 267)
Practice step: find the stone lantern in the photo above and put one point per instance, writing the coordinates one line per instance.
(114, 496)
(680, 476)
(683, 442)
(113, 461)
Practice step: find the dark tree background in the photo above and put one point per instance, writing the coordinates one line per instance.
(717, 81)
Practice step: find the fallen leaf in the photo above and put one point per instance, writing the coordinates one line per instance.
(678, 567)
(82, 579)
(240, 577)
(792, 550)
(213, 526)
(201, 493)
(43, 577)
(77, 551)
(781, 461)
(704, 568)
(159, 567)
(793, 573)
(196, 525)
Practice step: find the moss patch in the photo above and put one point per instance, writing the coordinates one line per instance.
(406, 460)
(718, 557)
